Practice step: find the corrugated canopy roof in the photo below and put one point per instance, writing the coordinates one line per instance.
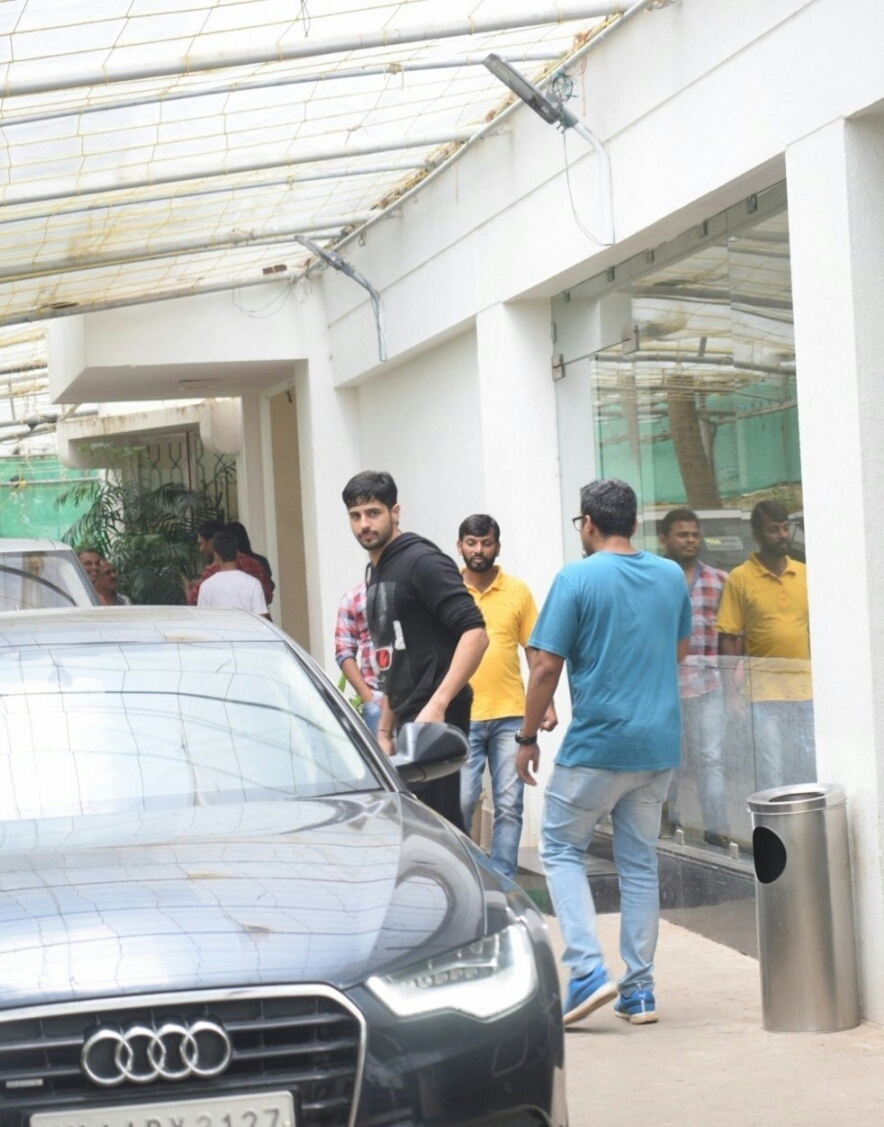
(154, 148)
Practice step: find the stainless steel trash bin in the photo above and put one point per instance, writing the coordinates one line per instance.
(804, 907)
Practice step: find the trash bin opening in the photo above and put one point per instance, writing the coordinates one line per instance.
(769, 854)
(797, 796)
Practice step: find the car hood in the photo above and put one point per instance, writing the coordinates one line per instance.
(319, 890)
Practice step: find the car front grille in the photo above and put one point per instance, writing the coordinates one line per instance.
(310, 1042)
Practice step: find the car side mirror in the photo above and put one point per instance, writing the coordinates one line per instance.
(428, 751)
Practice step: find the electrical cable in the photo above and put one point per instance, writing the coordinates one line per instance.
(585, 230)
(272, 307)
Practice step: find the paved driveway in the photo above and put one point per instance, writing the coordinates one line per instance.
(708, 1062)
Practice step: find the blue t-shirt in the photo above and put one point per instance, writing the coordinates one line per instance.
(617, 620)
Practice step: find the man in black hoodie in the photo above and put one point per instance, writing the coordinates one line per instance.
(427, 632)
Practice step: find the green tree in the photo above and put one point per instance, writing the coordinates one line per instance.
(149, 534)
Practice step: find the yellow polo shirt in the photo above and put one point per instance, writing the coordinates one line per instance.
(509, 612)
(770, 613)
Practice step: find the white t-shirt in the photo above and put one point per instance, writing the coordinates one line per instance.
(232, 589)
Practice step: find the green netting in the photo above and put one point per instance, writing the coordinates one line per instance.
(29, 489)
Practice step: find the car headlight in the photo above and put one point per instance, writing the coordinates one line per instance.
(484, 979)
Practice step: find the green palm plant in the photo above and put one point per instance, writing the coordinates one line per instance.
(149, 534)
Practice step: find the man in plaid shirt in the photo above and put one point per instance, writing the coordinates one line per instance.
(355, 656)
(702, 705)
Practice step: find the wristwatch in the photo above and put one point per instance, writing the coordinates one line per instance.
(525, 741)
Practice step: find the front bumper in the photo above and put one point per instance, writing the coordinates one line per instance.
(449, 1069)
(435, 1070)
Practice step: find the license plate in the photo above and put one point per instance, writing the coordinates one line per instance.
(269, 1109)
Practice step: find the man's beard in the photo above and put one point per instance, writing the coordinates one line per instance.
(378, 541)
(479, 563)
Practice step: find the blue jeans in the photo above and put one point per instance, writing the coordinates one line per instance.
(576, 799)
(785, 750)
(492, 741)
(702, 759)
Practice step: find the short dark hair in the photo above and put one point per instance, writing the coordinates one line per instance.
(225, 544)
(611, 505)
(676, 515)
(208, 529)
(92, 551)
(479, 524)
(370, 485)
(773, 510)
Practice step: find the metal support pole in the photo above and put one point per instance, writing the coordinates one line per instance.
(274, 236)
(231, 190)
(237, 86)
(562, 12)
(338, 263)
(400, 143)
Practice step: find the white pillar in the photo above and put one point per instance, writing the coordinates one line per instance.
(521, 468)
(519, 437)
(328, 437)
(250, 475)
(835, 179)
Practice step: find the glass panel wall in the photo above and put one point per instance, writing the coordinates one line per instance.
(677, 374)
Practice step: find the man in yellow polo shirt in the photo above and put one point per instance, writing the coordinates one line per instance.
(763, 616)
(498, 693)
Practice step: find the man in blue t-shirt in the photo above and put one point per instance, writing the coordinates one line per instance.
(622, 620)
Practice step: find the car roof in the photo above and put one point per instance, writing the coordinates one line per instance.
(132, 626)
(37, 545)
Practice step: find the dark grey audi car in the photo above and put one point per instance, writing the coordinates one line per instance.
(221, 907)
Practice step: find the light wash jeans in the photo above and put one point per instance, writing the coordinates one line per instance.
(702, 759)
(492, 741)
(576, 799)
(371, 712)
(785, 749)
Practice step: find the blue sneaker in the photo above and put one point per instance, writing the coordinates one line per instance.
(638, 1008)
(587, 994)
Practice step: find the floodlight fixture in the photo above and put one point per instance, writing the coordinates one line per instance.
(551, 110)
(554, 112)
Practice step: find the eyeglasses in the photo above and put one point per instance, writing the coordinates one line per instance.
(578, 521)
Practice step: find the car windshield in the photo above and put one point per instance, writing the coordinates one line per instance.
(36, 580)
(106, 728)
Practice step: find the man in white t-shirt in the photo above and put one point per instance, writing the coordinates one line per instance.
(230, 587)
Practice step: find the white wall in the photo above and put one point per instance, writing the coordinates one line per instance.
(148, 351)
(421, 423)
(696, 102)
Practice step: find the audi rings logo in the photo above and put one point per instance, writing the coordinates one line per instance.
(140, 1054)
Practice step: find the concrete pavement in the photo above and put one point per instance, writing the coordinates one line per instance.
(708, 1061)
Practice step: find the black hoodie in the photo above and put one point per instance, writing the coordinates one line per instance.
(417, 609)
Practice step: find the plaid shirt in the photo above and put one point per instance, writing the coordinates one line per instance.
(352, 638)
(698, 673)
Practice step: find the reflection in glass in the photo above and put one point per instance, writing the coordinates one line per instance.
(689, 360)
(106, 728)
(41, 579)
